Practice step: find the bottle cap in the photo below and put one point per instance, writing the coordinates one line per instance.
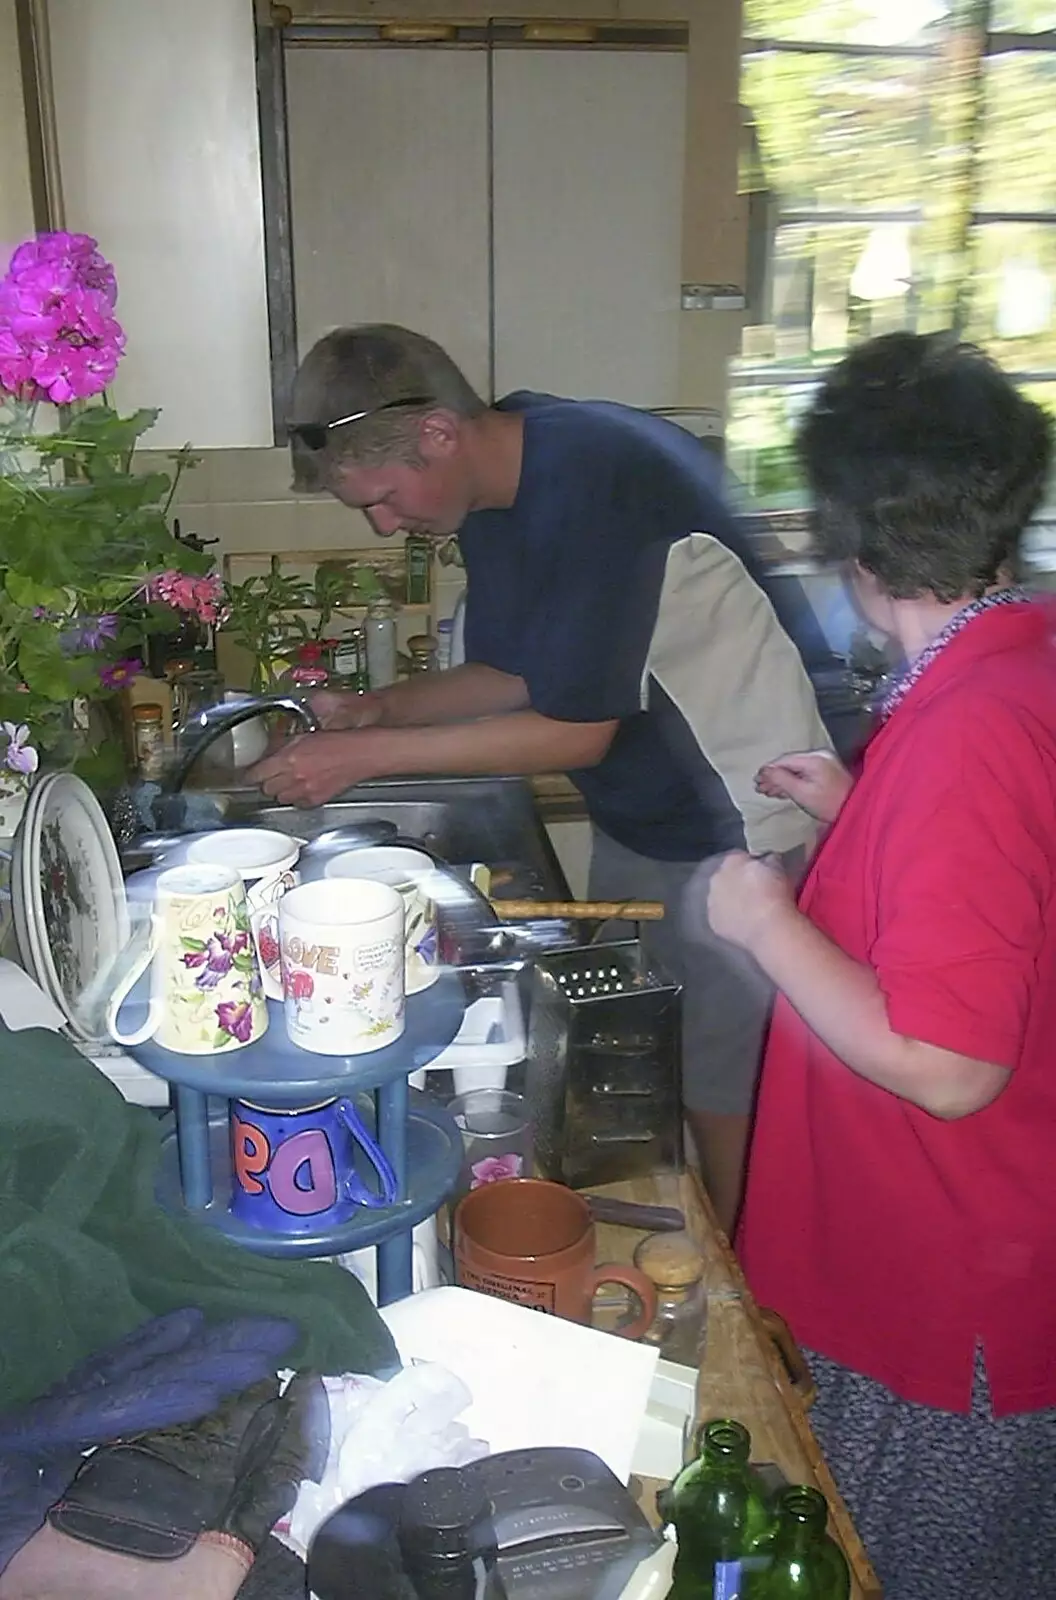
(670, 1260)
(146, 713)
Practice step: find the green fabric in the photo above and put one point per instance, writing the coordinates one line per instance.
(87, 1254)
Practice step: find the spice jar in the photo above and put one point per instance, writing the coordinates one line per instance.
(148, 741)
(422, 648)
(674, 1263)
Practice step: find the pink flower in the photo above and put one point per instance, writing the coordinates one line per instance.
(118, 673)
(59, 339)
(236, 1018)
(268, 945)
(300, 985)
(202, 596)
(492, 1168)
(76, 251)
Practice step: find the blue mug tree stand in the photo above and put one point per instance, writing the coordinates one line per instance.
(419, 1138)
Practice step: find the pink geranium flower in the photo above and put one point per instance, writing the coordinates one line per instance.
(201, 596)
(59, 339)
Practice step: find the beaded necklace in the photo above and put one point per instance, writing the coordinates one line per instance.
(960, 620)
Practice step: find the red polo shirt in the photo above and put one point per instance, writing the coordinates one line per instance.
(890, 1240)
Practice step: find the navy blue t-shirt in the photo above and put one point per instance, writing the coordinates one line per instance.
(563, 590)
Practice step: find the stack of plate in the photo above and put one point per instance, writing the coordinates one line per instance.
(68, 899)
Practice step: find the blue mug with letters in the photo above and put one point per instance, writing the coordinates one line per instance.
(297, 1171)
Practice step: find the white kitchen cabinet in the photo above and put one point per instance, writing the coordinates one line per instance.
(589, 150)
(389, 194)
(543, 251)
(159, 153)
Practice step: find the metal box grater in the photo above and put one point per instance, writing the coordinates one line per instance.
(603, 1068)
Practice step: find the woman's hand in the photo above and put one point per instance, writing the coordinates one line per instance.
(816, 780)
(745, 894)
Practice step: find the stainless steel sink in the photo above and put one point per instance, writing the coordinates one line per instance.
(492, 820)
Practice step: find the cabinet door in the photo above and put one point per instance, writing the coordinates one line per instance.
(389, 194)
(156, 113)
(589, 149)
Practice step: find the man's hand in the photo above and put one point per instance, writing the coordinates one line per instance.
(816, 780)
(339, 709)
(745, 895)
(313, 768)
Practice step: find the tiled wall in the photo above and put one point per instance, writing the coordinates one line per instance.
(243, 498)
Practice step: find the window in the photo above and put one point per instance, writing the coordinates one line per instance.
(901, 176)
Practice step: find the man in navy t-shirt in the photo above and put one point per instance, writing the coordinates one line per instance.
(615, 629)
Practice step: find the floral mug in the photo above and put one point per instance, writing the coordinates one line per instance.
(206, 996)
(265, 861)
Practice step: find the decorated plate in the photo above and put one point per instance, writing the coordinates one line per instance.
(74, 906)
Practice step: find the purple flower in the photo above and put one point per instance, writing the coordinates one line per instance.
(492, 1168)
(214, 960)
(19, 756)
(118, 673)
(90, 634)
(236, 1018)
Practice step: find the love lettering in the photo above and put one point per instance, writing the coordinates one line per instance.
(321, 958)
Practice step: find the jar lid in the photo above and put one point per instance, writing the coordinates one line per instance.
(147, 713)
(670, 1260)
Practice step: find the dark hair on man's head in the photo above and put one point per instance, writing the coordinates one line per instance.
(358, 369)
(925, 463)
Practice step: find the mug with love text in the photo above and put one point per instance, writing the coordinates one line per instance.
(342, 965)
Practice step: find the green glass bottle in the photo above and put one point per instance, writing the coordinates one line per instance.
(719, 1511)
(796, 1559)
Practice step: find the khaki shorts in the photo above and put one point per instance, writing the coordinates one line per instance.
(726, 998)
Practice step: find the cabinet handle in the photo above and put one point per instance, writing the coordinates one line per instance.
(792, 1358)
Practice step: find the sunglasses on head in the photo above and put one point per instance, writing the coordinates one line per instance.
(314, 435)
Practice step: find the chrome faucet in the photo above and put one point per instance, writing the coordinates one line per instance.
(210, 724)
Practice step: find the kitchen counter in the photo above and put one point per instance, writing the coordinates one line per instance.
(742, 1374)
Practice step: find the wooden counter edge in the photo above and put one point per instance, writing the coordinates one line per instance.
(862, 1570)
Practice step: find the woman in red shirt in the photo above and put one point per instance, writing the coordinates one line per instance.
(901, 1201)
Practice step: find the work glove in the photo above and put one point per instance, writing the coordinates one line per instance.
(231, 1475)
(172, 1369)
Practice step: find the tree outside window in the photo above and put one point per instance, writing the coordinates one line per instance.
(899, 162)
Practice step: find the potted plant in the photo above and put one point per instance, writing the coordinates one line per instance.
(88, 564)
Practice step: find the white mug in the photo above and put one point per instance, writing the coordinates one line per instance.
(265, 860)
(409, 872)
(205, 990)
(342, 966)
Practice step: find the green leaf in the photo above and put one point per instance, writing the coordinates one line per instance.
(43, 666)
(26, 592)
(197, 945)
(221, 1038)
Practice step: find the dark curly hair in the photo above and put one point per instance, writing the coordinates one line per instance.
(926, 463)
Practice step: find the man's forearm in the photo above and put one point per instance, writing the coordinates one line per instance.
(841, 1001)
(461, 695)
(523, 742)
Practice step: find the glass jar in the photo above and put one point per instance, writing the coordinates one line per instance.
(422, 649)
(675, 1264)
(148, 741)
(380, 632)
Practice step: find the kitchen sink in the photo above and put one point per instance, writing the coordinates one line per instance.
(461, 820)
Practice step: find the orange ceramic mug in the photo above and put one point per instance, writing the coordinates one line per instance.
(532, 1242)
